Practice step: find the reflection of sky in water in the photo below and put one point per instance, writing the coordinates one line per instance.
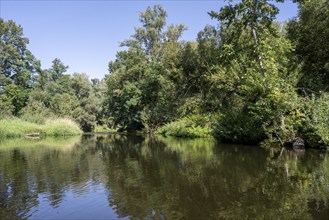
(79, 202)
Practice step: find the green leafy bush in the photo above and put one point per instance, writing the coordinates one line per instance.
(315, 127)
(192, 127)
(235, 126)
(104, 128)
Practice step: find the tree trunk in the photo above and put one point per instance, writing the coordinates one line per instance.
(260, 59)
(254, 35)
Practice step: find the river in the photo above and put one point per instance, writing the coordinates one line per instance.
(137, 177)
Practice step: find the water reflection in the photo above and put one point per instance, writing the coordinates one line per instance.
(116, 176)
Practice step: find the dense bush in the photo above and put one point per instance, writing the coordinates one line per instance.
(314, 129)
(238, 127)
(192, 127)
(104, 128)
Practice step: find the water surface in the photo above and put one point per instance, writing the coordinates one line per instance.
(120, 176)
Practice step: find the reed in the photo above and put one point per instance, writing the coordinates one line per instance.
(15, 127)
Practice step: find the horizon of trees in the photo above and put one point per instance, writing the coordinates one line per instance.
(247, 80)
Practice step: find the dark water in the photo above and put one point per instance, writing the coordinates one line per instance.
(112, 177)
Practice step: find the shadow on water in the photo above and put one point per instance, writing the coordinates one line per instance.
(129, 176)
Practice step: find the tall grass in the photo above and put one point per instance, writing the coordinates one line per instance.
(15, 127)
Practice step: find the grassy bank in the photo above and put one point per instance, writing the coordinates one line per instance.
(15, 127)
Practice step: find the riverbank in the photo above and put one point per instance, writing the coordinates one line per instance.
(15, 127)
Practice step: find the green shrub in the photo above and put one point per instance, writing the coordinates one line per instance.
(315, 127)
(304, 117)
(35, 112)
(104, 128)
(235, 126)
(192, 127)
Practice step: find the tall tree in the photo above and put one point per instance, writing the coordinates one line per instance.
(255, 15)
(149, 36)
(140, 87)
(17, 65)
(88, 105)
(310, 34)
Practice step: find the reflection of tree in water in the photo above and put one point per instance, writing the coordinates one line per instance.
(306, 176)
(16, 188)
(48, 169)
(168, 178)
(175, 180)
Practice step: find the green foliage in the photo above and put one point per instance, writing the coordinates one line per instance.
(104, 128)
(258, 79)
(57, 69)
(12, 99)
(286, 116)
(63, 104)
(35, 112)
(15, 59)
(238, 126)
(194, 126)
(250, 101)
(124, 105)
(88, 104)
(59, 95)
(245, 72)
(141, 88)
(310, 33)
(15, 127)
(315, 120)
(159, 99)
(34, 94)
(17, 65)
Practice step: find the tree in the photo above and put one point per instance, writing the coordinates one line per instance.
(12, 99)
(255, 15)
(88, 108)
(140, 88)
(255, 80)
(17, 65)
(57, 69)
(150, 36)
(310, 34)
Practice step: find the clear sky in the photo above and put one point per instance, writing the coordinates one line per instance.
(86, 34)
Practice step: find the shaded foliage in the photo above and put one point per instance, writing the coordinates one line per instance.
(310, 34)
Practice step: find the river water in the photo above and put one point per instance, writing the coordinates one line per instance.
(136, 177)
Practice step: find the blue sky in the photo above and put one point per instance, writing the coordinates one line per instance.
(86, 34)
